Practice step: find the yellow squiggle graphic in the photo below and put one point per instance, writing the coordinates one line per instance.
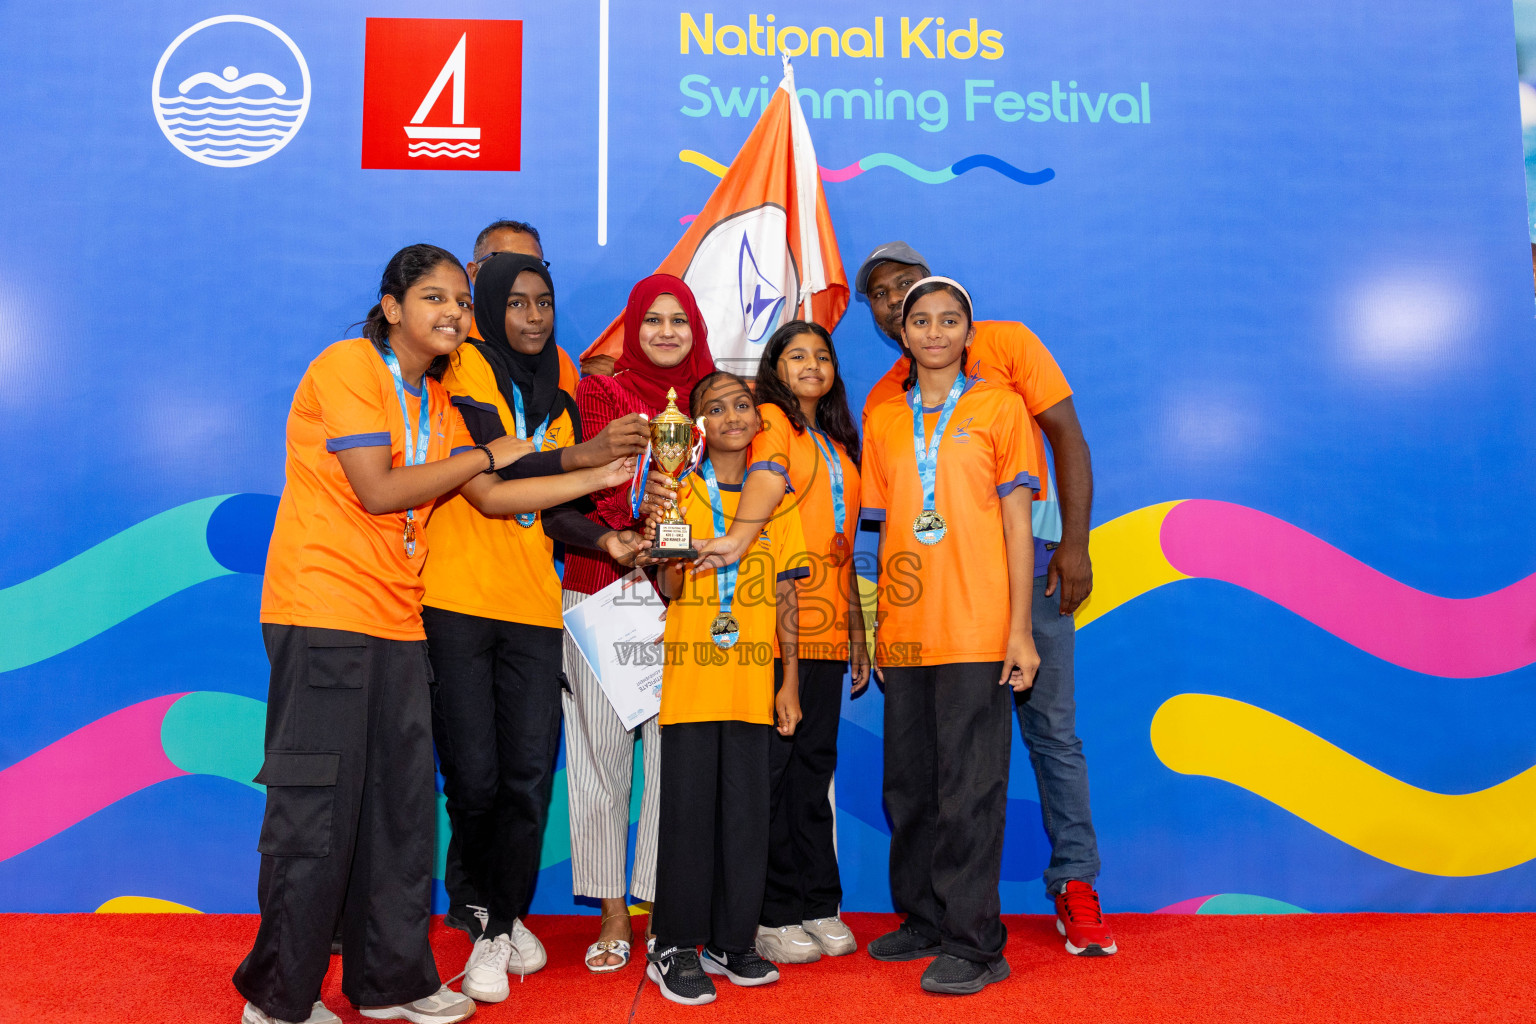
(144, 905)
(1454, 835)
(1128, 561)
(691, 156)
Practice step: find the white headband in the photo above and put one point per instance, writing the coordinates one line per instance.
(907, 302)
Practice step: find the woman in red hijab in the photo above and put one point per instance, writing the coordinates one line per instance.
(666, 345)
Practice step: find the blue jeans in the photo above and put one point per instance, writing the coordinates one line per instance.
(1048, 724)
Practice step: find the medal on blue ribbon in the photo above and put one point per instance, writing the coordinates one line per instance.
(526, 519)
(724, 630)
(929, 527)
(839, 503)
(415, 447)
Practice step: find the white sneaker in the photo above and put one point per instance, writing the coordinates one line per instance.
(788, 944)
(528, 952)
(831, 935)
(318, 1014)
(485, 975)
(445, 1006)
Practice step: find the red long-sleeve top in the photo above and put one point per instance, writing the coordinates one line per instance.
(600, 401)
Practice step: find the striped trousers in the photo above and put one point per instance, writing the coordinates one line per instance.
(599, 768)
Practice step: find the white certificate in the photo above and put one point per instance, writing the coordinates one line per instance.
(618, 631)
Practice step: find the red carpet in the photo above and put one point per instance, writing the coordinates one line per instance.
(154, 969)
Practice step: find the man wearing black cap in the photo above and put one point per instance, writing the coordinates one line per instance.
(1008, 353)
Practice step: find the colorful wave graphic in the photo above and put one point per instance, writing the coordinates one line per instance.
(899, 163)
(1193, 734)
(154, 741)
(116, 756)
(1453, 835)
(1230, 903)
(891, 160)
(130, 571)
(144, 905)
(1455, 638)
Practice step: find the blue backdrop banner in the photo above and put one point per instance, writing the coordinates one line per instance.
(1279, 250)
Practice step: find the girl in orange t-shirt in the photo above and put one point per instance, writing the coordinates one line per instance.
(372, 443)
(808, 428)
(718, 710)
(949, 468)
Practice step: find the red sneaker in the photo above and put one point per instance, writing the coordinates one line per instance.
(1079, 918)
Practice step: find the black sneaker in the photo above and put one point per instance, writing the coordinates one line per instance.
(905, 943)
(677, 973)
(954, 976)
(467, 920)
(742, 968)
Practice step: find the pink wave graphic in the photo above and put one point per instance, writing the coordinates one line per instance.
(1457, 638)
(1189, 906)
(74, 777)
(853, 170)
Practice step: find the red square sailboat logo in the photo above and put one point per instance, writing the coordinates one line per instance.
(443, 95)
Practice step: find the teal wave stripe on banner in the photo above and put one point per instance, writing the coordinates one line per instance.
(105, 584)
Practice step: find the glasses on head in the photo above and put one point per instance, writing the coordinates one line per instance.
(482, 259)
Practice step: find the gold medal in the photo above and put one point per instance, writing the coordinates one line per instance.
(724, 631)
(929, 527)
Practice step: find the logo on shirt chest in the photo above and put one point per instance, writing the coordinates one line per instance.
(443, 94)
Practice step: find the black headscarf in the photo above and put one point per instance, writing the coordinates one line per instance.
(536, 376)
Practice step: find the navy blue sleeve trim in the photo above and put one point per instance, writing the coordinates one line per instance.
(775, 467)
(1022, 480)
(797, 573)
(341, 444)
(875, 515)
(461, 449)
(463, 400)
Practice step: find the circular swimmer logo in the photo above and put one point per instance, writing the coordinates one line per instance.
(230, 91)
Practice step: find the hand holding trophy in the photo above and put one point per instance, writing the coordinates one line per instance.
(676, 444)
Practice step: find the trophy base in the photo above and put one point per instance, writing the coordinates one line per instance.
(673, 540)
(669, 554)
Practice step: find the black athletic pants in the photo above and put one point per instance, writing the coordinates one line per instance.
(348, 827)
(947, 735)
(496, 719)
(803, 883)
(712, 852)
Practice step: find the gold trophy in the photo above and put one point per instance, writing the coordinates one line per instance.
(673, 453)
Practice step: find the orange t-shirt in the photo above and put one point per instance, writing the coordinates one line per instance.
(1003, 352)
(825, 594)
(700, 682)
(948, 600)
(330, 562)
(569, 374)
(491, 566)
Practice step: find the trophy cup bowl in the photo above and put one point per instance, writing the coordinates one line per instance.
(672, 451)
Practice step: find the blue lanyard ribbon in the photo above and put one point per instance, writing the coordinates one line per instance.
(928, 456)
(520, 424)
(835, 475)
(637, 484)
(415, 447)
(727, 574)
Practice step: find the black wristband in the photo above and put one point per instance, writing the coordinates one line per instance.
(489, 456)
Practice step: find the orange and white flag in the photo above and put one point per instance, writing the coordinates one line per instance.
(762, 252)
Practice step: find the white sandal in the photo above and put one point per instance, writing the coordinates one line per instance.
(602, 947)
